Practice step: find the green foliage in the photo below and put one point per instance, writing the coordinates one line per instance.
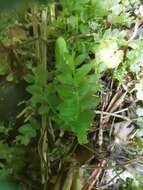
(9, 5)
(90, 39)
(73, 5)
(4, 130)
(3, 67)
(27, 132)
(37, 89)
(129, 184)
(76, 87)
(74, 83)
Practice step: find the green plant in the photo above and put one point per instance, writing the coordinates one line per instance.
(77, 55)
(76, 86)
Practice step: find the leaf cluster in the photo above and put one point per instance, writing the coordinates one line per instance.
(76, 85)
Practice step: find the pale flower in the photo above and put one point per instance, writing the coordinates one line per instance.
(141, 10)
(139, 89)
(116, 8)
(109, 55)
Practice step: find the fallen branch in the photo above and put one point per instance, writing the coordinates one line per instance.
(112, 114)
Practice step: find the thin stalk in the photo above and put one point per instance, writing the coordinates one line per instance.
(41, 53)
(39, 56)
(52, 11)
(112, 114)
(44, 143)
(35, 31)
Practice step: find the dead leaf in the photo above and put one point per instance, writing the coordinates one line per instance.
(123, 131)
(17, 34)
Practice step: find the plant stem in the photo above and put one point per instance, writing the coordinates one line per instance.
(112, 114)
(52, 11)
(44, 116)
(35, 31)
